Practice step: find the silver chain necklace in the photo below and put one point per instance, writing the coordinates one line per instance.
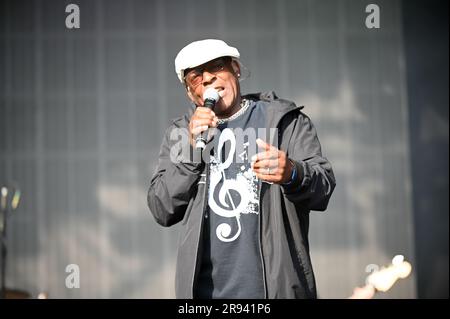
(244, 106)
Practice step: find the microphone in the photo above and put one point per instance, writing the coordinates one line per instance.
(210, 98)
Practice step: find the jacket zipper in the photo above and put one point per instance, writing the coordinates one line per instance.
(260, 242)
(205, 203)
(260, 216)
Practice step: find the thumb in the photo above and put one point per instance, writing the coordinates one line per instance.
(262, 144)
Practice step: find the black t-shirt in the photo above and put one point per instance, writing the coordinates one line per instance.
(231, 265)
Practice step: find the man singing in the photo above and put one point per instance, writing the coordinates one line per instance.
(244, 200)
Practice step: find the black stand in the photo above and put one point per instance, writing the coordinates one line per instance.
(3, 219)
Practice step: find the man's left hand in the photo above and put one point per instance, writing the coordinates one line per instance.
(272, 165)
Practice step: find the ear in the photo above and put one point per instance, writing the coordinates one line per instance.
(236, 68)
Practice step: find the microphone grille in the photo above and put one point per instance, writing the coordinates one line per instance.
(211, 94)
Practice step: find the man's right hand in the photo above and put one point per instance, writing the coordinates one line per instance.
(202, 119)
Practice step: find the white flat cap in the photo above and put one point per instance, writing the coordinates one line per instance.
(199, 52)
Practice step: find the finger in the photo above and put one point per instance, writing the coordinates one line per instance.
(204, 110)
(266, 163)
(265, 174)
(203, 122)
(265, 145)
(264, 155)
(204, 115)
(199, 129)
(266, 177)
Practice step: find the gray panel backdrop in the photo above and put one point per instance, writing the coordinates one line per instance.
(82, 113)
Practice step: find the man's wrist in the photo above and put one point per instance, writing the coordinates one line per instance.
(293, 174)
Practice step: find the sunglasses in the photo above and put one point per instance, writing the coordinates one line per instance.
(194, 76)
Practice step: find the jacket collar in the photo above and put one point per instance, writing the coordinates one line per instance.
(277, 108)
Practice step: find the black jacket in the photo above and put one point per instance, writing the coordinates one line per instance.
(178, 194)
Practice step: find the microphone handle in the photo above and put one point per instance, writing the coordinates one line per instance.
(200, 142)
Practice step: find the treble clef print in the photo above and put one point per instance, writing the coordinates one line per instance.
(225, 208)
